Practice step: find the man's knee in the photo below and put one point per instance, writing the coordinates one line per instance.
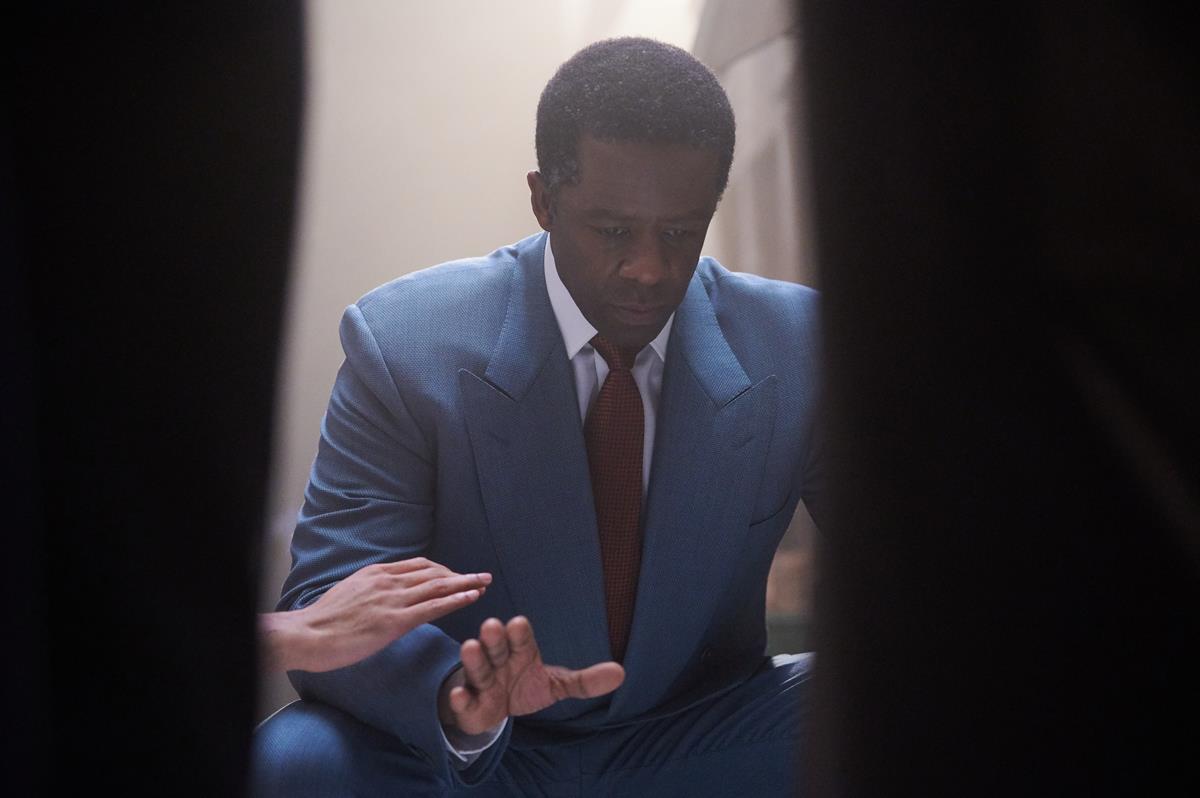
(305, 749)
(312, 750)
(772, 705)
(779, 696)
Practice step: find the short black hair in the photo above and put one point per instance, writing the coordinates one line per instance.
(631, 89)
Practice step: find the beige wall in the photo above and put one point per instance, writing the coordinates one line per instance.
(418, 135)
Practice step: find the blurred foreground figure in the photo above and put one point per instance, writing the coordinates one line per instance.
(149, 157)
(1008, 205)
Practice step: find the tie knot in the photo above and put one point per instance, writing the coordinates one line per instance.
(618, 358)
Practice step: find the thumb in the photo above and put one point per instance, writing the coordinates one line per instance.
(588, 682)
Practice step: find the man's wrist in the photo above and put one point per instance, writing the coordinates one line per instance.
(465, 749)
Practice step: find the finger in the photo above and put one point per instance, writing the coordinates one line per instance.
(421, 575)
(495, 643)
(443, 586)
(434, 608)
(461, 700)
(587, 683)
(404, 566)
(520, 637)
(479, 672)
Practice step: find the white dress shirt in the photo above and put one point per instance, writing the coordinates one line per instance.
(590, 372)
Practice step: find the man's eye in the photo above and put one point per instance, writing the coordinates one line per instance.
(613, 232)
(676, 233)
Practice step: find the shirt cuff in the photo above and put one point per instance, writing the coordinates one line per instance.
(466, 748)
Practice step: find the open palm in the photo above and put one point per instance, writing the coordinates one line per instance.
(503, 674)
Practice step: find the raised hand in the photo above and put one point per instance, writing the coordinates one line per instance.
(503, 674)
(364, 612)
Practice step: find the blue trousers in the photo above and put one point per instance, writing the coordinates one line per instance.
(744, 743)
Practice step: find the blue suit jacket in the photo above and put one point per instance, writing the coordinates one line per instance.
(453, 432)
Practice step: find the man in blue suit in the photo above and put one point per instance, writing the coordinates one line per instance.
(615, 428)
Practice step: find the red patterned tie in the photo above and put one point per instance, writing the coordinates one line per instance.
(614, 436)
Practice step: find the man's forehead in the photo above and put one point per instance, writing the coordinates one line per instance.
(627, 178)
(606, 149)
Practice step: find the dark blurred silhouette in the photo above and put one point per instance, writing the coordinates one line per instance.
(1008, 211)
(149, 161)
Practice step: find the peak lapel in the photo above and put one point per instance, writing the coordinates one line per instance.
(710, 446)
(523, 420)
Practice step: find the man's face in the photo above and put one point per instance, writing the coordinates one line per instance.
(627, 235)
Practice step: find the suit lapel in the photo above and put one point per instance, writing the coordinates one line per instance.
(523, 420)
(713, 427)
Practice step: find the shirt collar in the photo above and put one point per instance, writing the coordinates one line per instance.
(576, 330)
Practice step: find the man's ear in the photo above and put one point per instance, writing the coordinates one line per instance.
(540, 200)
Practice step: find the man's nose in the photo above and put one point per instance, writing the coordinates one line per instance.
(645, 261)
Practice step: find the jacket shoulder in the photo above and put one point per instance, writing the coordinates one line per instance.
(768, 306)
(452, 312)
(444, 288)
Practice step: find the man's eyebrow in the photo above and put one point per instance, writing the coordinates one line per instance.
(697, 215)
(605, 213)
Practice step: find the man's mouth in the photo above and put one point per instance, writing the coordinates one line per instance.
(637, 313)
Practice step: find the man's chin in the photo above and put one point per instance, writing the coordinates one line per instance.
(633, 337)
(629, 327)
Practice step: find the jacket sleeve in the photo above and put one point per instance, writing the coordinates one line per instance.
(370, 499)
